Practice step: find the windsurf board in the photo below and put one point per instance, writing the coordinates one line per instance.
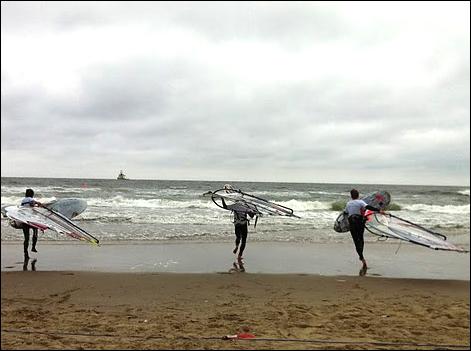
(69, 207)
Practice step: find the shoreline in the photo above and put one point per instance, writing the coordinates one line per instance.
(95, 310)
(329, 259)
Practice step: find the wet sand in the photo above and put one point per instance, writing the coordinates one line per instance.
(329, 259)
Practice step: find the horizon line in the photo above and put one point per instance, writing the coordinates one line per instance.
(240, 181)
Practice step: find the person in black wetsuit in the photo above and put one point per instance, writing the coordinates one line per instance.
(355, 210)
(29, 201)
(240, 224)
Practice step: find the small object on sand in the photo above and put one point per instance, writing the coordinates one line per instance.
(239, 336)
(243, 335)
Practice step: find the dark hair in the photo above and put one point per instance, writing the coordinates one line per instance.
(29, 193)
(354, 193)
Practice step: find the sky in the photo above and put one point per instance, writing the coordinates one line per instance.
(316, 92)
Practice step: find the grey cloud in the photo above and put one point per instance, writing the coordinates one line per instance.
(179, 114)
(287, 23)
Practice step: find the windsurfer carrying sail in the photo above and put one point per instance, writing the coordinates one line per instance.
(355, 209)
(29, 201)
(240, 224)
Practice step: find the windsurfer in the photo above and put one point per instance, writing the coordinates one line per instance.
(240, 225)
(355, 210)
(29, 201)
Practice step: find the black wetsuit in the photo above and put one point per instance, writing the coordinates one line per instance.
(240, 224)
(240, 227)
(29, 201)
(26, 241)
(357, 229)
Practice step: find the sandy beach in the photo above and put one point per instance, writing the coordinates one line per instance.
(190, 295)
(97, 310)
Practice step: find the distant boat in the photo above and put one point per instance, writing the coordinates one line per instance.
(121, 176)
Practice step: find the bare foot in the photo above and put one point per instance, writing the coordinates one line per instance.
(33, 264)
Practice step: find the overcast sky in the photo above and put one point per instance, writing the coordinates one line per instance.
(358, 92)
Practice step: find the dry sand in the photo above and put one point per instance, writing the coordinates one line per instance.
(194, 311)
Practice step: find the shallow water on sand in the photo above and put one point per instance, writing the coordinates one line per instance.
(404, 261)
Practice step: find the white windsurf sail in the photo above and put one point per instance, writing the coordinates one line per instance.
(69, 207)
(44, 218)
(256, 204)
(390, 226)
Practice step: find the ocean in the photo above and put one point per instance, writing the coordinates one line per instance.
(175, 210)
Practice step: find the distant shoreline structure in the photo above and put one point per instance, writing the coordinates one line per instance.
(122, 176)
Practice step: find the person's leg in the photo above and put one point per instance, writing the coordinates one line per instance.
(361, 241)
(25, 263)
(243, 235)
(238, 237)
(26, 241)
(357, 236)
(35, 239)
(359, 244)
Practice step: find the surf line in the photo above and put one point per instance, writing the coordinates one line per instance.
(318, 341)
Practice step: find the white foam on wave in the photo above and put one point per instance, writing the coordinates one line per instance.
(274, 195)
(329, 193)
(20, 190)
(464, 192)
(306, 205)
(153, 203)
(16, 200)
(159, 203)
(451, 209)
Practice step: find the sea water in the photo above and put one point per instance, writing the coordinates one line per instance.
(176, 210)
